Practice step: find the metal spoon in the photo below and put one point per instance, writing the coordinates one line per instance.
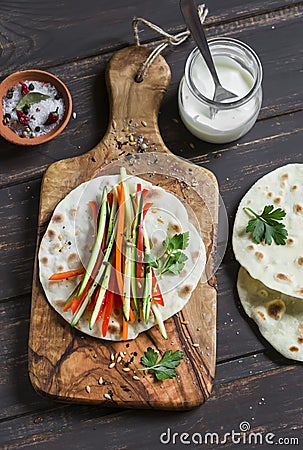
(192, 20)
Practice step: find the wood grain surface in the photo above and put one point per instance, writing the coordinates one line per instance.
(63, 362)
(248, 369)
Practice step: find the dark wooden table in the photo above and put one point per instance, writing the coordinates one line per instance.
(75, 40)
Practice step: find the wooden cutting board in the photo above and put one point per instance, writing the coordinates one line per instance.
(64, 363)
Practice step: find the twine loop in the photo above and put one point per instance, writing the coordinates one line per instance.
(170, 39)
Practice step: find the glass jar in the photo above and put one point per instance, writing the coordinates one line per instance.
(240, 71)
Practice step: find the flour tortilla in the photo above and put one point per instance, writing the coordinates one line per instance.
(278, 316)
(69, 238)
(279, 267)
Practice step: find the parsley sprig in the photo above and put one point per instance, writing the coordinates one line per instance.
(266, 226)
(175, 260)
(165, 368)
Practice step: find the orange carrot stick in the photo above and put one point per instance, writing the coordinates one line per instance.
(68, 274)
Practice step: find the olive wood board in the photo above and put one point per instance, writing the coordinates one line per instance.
(65, 364)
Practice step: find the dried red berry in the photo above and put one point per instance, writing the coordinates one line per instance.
(52, 117)
(24, 89)
(23, 118)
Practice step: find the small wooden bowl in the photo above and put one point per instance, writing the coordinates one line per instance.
(34, 75)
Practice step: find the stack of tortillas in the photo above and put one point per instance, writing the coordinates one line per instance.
(270, 281)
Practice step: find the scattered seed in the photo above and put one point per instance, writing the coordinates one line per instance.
(100, 381)
(126, 369)
(121, 354)
(191, 145)
(185, 322)
(112, 357)
(114, 125)
(87, 389)
(131, 138)
(196, 345)
(160, 220)
(144, 123)
(125, 129)
(107, 396)
(119, 359)
(136, 378)
(133, 143)
(60, 237)
(112, 365)
(24, 133)
(74, 115)
(218, 155)
(32, 135)
(175, 120)
(143, 146)
(154, 211)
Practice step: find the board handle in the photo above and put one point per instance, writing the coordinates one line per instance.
(132, 100)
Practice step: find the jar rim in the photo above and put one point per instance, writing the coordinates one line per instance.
(235, 103)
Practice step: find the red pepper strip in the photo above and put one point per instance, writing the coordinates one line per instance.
(102, 307)
(119, 239)
(145, 192)
(93, 300)
(75, 305)
(138, 189)
(108, 307)
(110, 197)
(95, 211)
(156, 292)
(146, 208)
(68, 274)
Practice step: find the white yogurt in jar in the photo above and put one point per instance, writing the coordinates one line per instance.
(240, 72)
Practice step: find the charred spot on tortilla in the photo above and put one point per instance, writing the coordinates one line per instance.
(298, 208)
(154, 193)
(73, 259)
(55, 247)
(174, 228)
(293, 348)
(74, 211)
(300, 291)
(300, 260)
(185, 290)
(259, 255)
(277, 200)
(270, 194)
(51, 234)
(44, 260)
(283, 277)
(295, 187)
(262, 315)
(114, 329)
(290, 241)
(276, 308)
(60, 268)
(284, 177)
(195, 255)
(250, 247)
(58, 218)
(59, 303)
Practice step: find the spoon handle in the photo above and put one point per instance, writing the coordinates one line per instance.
(192, 20)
